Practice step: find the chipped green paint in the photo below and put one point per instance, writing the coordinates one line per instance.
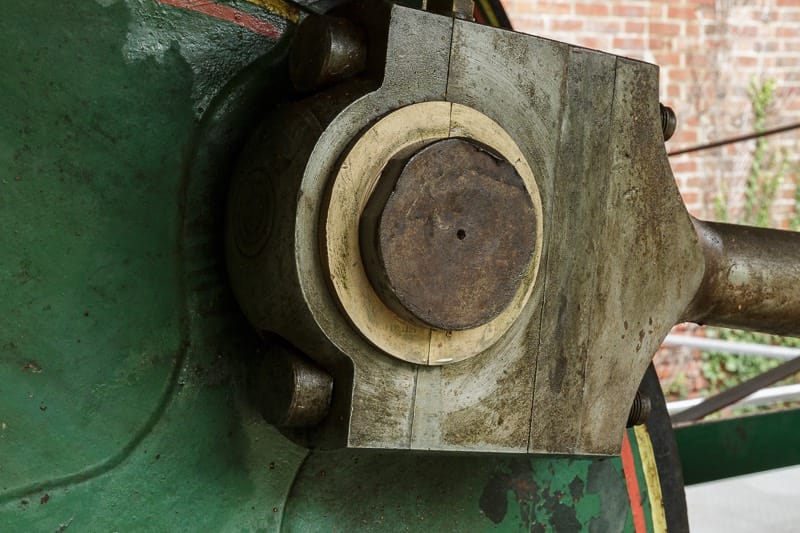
(361, 490)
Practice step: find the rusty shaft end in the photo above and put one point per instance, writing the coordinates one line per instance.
(455, 237)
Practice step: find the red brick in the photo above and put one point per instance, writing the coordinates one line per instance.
(604, 26)
(628, 10)
(694, 181)
(566, 25)
(658, 43)
(681, 12)
(684, 166)
(628, 43)
(668, 59)
(744, 30)
(692, 29)
(690, 121)
(656, 11)
(673, 91)
(598, 43)
(683, 138)
(715, 29)
(791, 32)
(634, 27)
(788, 3)
(746, 61)
(592, 9)
(692, 198)
(696, 60)
(552, 8)
(666, 29)
(766, 46)
(679, 74)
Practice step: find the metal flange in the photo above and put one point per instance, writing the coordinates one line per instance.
(402, 131)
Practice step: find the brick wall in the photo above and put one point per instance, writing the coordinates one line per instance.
(708, 51)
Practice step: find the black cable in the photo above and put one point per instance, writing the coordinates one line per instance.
(733, 140)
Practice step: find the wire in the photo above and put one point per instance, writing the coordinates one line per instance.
(733, 140)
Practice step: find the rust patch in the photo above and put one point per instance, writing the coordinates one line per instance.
(456, 236)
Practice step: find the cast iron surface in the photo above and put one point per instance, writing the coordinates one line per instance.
(104, 265)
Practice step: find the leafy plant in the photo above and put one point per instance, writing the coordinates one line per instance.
(768, 167)
(724, 370)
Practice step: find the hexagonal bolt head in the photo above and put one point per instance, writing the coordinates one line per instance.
(461, 9)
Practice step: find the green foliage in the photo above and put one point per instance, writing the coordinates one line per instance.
(678, 388)
(794, 223)
(723, 370)
(720, 205)
(768, 167)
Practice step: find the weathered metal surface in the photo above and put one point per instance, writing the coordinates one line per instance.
(603, 174)
(561, 378)
(647, 236)
(292, 391)
(752, 279)
(325, 50)
(456, 236)
(382, 397)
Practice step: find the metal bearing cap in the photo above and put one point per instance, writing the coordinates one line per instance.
(432, 233)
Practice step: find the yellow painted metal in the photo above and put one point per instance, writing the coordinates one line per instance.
(279, 7)
(650, 470)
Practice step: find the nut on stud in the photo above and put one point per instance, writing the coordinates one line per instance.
(460, 9)
(668, 121)
(325, 50)
(292, 392)
(640, 410)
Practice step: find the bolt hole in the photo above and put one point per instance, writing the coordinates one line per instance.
(461, 234)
